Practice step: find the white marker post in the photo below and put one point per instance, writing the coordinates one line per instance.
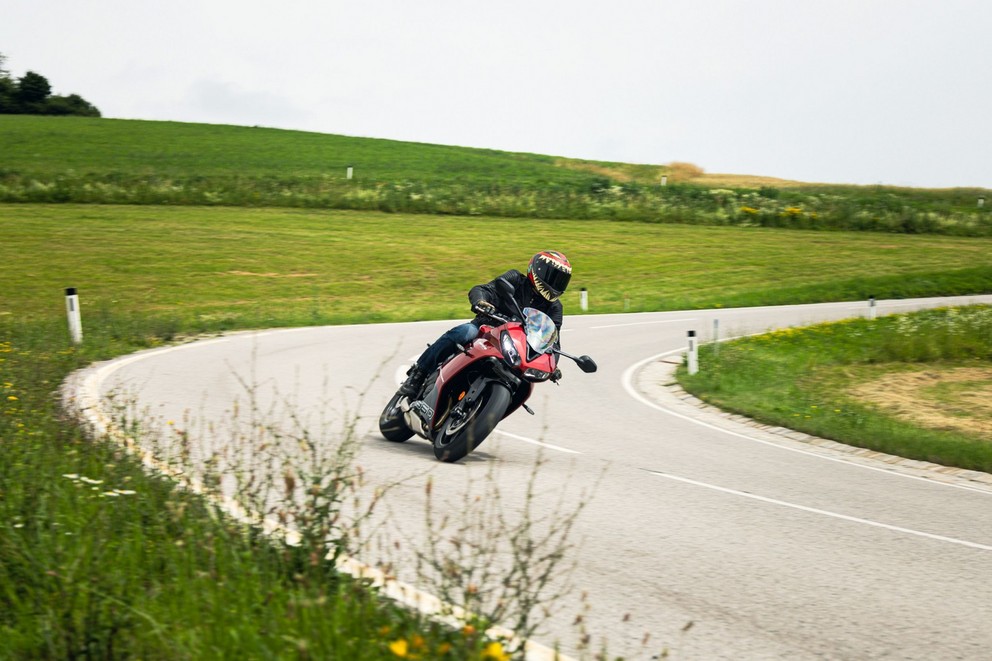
(351, 171)
(716, 337)
(664, 180)
(872, 310)
(584, 299)
(981, 201)
(72, 312)
(693, 353)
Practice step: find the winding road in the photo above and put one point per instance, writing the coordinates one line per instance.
(701, 535)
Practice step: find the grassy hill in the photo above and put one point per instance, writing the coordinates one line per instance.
(72, 159)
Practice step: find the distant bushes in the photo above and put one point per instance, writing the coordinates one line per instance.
(876, 210)
(31, 94)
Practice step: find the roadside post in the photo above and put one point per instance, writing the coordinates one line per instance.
(716, 337)
(584, 299)
(693, 353)
(351, 171)
(72, 312)
(664, 180)
(981, 201)
(872, 310)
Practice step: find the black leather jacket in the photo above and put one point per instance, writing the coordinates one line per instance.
(523, 292)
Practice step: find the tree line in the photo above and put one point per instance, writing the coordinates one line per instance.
(31, 94)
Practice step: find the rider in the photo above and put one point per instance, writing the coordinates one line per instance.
(547, 278)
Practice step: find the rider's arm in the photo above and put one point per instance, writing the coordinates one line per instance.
(489, 292)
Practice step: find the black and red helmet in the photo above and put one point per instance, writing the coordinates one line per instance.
(549, 273)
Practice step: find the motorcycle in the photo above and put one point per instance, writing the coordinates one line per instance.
(463, 400)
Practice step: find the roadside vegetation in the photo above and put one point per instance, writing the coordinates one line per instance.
(915, 385)
(102, 161)
(227, 228)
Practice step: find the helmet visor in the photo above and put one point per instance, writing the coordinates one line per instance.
(553, 278)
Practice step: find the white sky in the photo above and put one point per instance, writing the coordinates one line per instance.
(849, 91)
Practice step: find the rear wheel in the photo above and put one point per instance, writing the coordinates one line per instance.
(391, 423)
(469, 424)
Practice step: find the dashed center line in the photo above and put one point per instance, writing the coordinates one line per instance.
(835, 515)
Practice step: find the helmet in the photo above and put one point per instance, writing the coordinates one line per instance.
(549, 273)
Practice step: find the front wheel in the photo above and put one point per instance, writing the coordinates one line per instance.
(392, 426)
(466, 427)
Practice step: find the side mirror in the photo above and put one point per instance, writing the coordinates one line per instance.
(586, 364)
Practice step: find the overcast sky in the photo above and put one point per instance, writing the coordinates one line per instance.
(849, 91)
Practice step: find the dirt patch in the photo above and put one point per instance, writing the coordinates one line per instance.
(958, 399)
(274, 275)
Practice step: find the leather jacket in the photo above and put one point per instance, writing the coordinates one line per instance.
(523, 292)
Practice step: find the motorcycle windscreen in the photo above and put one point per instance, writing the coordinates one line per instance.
(540, 330)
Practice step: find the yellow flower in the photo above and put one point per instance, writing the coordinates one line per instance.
(11, 398)
(399, 647)
(494, 650)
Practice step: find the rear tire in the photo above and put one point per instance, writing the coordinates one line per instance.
(392, 426)
(461, 434)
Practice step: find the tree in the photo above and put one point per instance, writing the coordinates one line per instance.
(33, 88)
(7, 89)
(70, 105)
(32, 94)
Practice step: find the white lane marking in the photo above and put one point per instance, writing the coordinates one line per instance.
(627, 379)
(835, 515)
(550, 446)
(641, 323)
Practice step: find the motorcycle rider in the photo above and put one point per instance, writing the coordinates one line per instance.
(547, 278)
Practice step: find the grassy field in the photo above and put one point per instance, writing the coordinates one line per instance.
(221, 267)
(102, 161)
(916, 385)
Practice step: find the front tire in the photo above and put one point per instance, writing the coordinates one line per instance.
(465, 429)
(392, 426)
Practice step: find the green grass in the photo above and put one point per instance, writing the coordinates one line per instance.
(805, 379)
(34, 146)
(103, 161)
(208, 268)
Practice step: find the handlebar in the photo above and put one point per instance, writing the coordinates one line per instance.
(492, 315)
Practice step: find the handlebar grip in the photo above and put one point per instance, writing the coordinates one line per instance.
(492, 314)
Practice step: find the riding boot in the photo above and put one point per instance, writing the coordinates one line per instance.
(414, 379)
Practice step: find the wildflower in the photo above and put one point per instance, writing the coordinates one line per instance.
(90, 481)
(399, 647)
(71, 476)
(494, 650)
(11, 398)
(125, 492)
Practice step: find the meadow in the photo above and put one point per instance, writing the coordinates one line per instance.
(914, 385)
(101, 161)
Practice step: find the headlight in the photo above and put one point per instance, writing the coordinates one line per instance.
(510, 353)
(532, 374)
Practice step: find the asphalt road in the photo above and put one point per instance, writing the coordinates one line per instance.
(768, 549)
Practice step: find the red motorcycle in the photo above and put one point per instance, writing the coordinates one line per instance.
(464, 399)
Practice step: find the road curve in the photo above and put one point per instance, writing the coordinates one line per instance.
(706, 537)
